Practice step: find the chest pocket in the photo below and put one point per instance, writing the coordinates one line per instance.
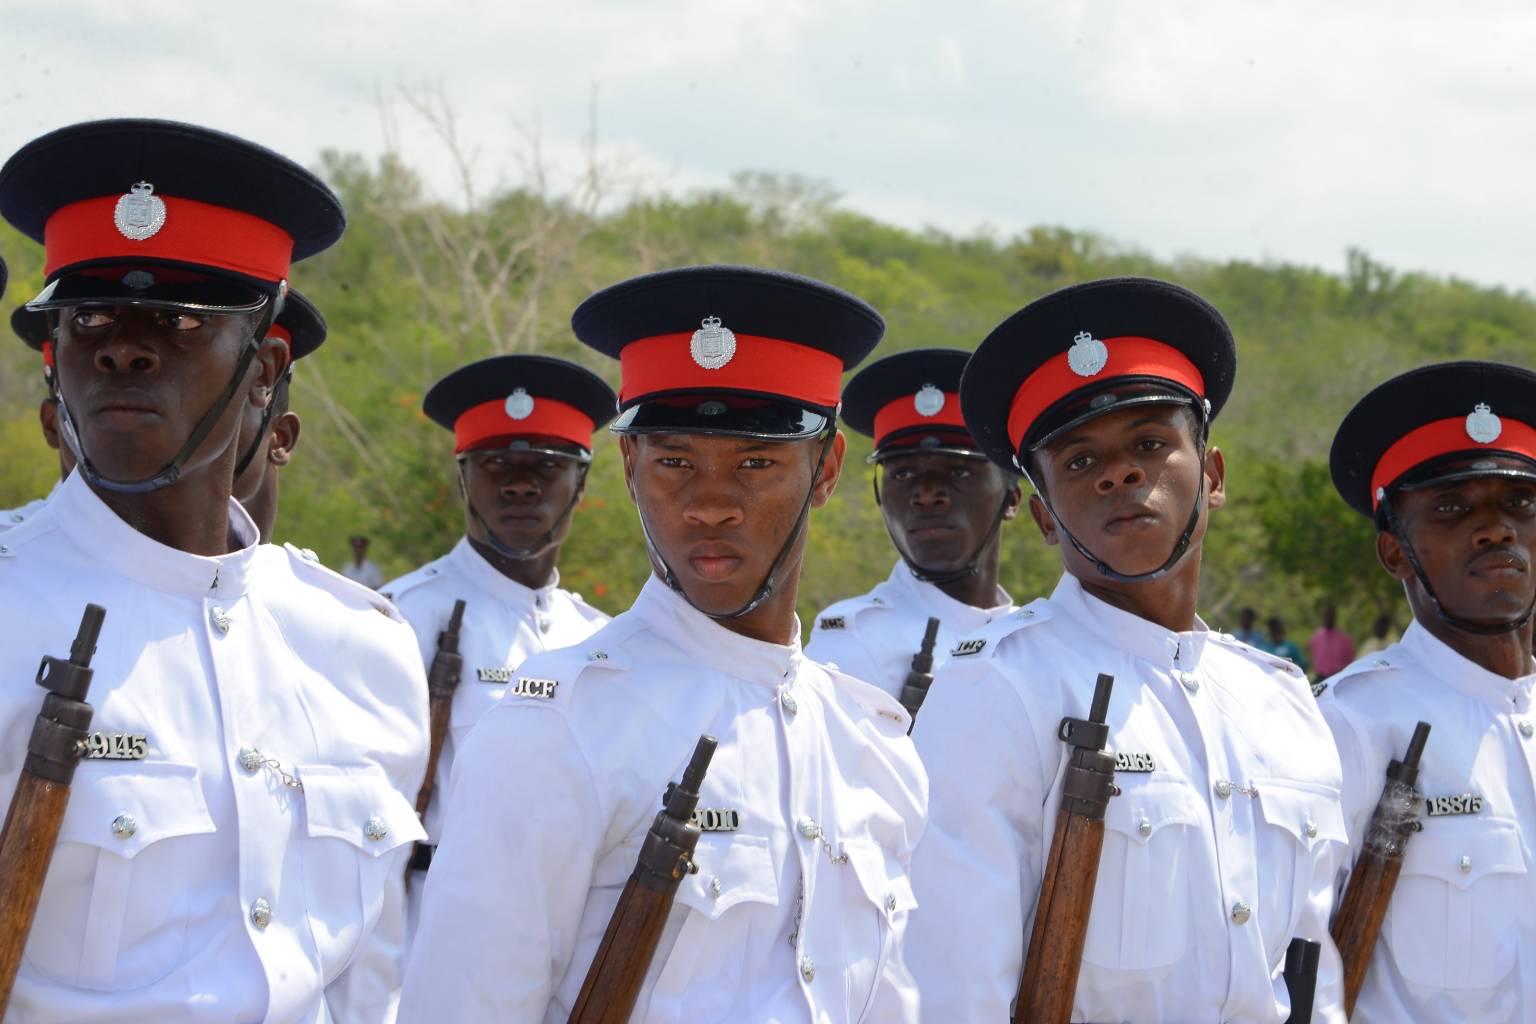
(354, 818)
(1141, 900)
(1301, 818)
(702, 968)
(116, 906)
(1450, 924)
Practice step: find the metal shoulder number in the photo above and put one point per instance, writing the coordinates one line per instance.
(117, 746)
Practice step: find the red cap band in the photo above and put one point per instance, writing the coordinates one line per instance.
(1128, 357)
(549, 418)
(282, 334)
(767, 366)
(1446, 437)
(48, 352)
(195, 233)
(902, 413)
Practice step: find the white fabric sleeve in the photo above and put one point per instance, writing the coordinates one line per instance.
(505, 894)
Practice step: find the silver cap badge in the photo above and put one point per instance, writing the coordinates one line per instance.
(139, 214)
(928, 400)
(1482, 425)
(712, 345)
(1087, 355)
(519, 404)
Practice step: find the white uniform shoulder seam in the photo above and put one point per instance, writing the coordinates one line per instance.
(981, 644)
(312, 571)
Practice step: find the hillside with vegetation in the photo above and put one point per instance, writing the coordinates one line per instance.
(419, 286)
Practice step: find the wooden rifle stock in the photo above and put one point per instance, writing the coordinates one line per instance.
(1048, 985)
(1363, 906)
(442, 680)
(612, 986)
(1300, 975)
(42, 792)
(915, 690)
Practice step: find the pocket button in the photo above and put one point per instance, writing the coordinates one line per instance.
(261, 913)
(123, 826)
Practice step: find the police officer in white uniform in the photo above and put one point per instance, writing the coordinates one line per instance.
(814, 797)
(241, 822)
(522, 429)
(1443, 460)
(32, 329)
(944, 505)
(1223, 842)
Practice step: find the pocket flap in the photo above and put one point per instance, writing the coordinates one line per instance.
(1148, 804)
(881, 876)
(733, 868)
(357, 804)
(1310, 812)
(1459, 851)
(124, 806)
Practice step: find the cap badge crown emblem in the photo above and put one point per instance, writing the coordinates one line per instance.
(519, 404)
(928, 401)
(139, 214)
(1087, 355)
(1482, 425)
(712, 346)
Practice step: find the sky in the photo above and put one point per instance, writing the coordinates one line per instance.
(1223, 129)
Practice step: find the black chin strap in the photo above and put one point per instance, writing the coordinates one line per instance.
(545, 539)
(939, 577)
(1179, 549)
(261, 431)
(765, 591)
(1395, 525)
(172, 470)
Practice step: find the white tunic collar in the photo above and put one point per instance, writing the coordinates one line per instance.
(1133, 634)
(473, 565)
(94, 527)
(706, 641)
(928, 596)
(1440, 661)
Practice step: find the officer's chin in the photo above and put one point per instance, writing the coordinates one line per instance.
(119, 454)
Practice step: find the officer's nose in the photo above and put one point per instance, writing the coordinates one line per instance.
(712, 506)
(1120, 474)
(930, 493)
(520, 486)
(125, 353)
(1492, 529)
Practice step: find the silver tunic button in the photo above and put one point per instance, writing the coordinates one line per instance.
(597, 656)
(1310, 828)
(790, 704)
(1144, 825)
(219, 619)
(1465, 864)
(809, 828)
(124, 826)
(261, 913)
(807, 968)
(890, 902)
(250, 759)
(1526, 729)
(1241, 911)
(1223, 788)
(714, 886)
(1190, 682)
(375, 828)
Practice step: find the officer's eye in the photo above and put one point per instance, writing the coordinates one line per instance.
(1080, 462)
(181, 321)
(89, 318)
(901, 474)
(959, 473)
(1520, 500)
(756, 462)
(672, 462)
(1447, 507)
(1150, 444)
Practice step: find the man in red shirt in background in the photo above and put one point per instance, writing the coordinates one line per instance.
(1331, 647)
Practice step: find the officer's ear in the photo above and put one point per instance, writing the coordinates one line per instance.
(627, 452)
(1390, 553)
(285, 438)
(1015, 499)
(48, 419)
(271, 363)
(1044, 520)
(831, 469)
(1215, 478)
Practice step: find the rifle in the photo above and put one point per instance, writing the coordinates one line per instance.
(915, 690)
(42, 792)
(442, 680)
(1363, 906)
(1300, 975)
(1048, 985)
(612, 986)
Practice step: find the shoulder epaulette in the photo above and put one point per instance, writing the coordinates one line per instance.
(1381, 661)
(312, 571)
(840, 614)
(985, 640)
(1261, 657)
(881, 706)
(397, 588)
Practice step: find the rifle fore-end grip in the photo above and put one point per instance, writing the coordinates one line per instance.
(58, 739)
(1089, 783)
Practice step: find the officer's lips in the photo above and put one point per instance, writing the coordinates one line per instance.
(521, 517)
(1132, 519)
(1499, 563)
(930, 526)
(124, 408)
(714, 563)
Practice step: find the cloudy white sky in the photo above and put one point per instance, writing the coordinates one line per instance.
(1261, 130)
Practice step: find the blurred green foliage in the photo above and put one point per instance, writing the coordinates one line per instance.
(418, 287)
